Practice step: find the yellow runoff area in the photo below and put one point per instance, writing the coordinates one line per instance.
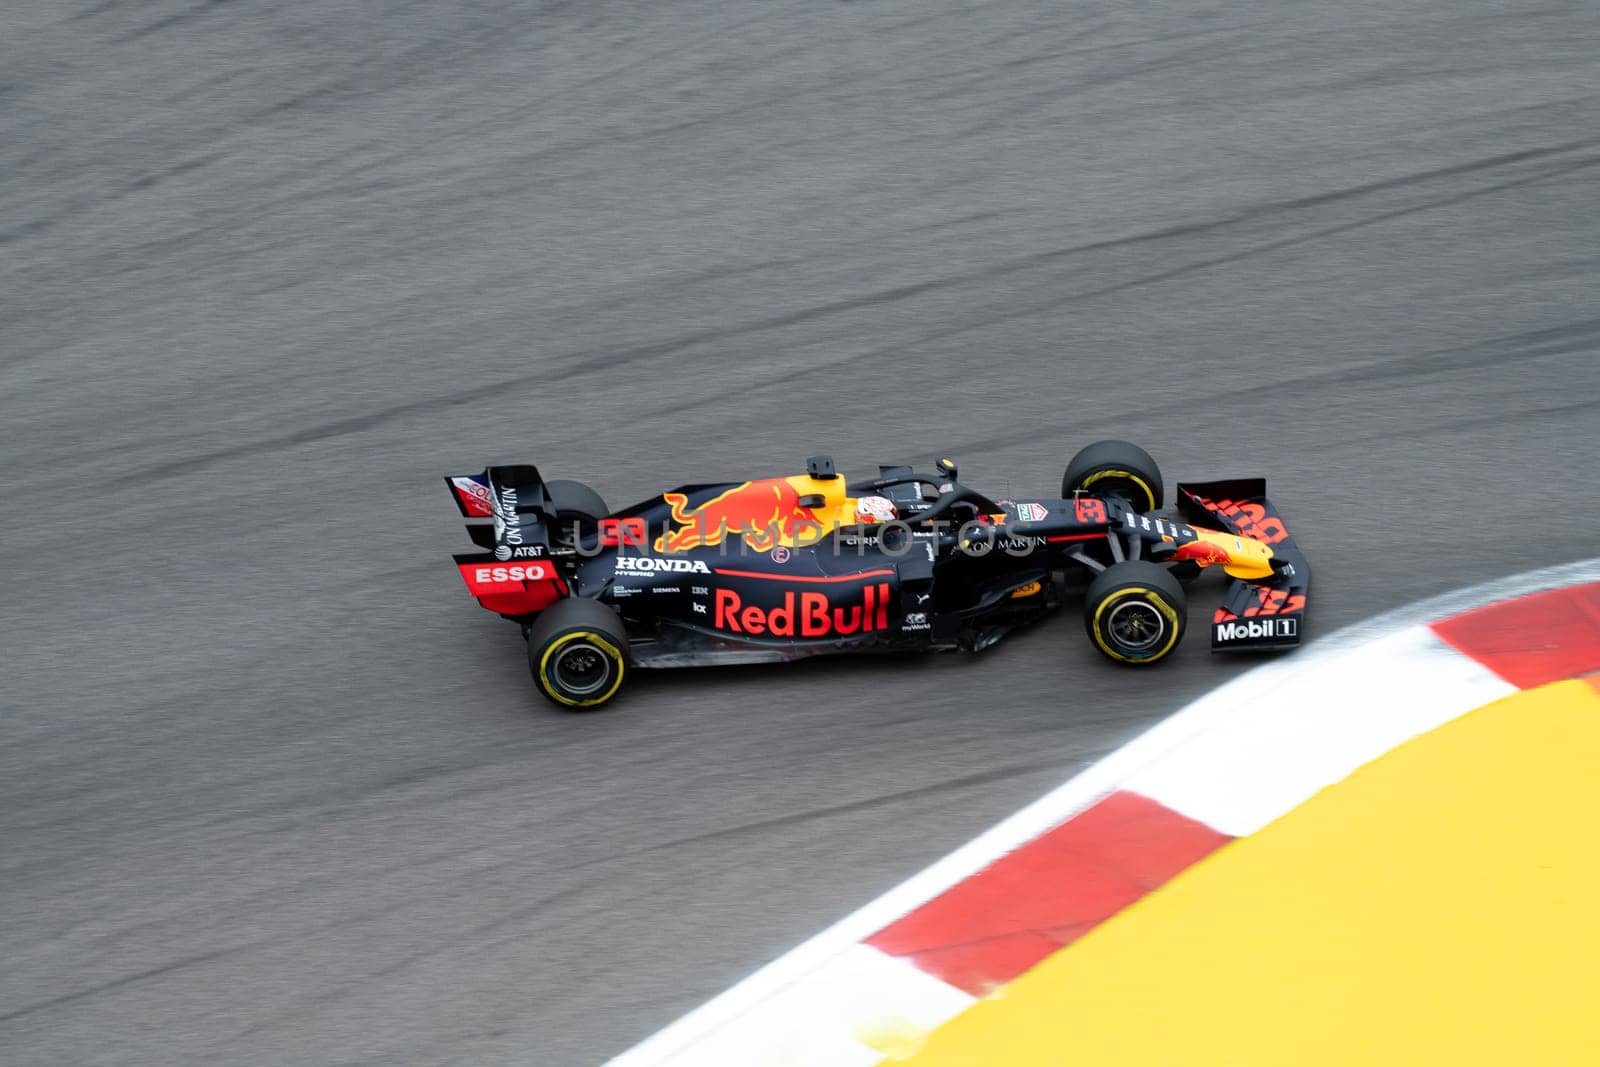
(1441, 905)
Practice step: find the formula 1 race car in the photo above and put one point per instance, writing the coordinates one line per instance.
(780, 568)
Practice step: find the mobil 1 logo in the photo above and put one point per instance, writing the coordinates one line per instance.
(1245, 631)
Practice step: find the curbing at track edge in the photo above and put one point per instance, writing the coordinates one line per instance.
(869, 987)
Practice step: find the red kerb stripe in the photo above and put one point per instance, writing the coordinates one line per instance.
(1007, 917)
(1534, 639)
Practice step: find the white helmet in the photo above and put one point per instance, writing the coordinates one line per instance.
(871, 509)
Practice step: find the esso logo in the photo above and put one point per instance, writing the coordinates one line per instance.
(484, 578)
(517, 572)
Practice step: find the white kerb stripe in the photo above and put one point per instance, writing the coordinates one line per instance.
(849, 1013)
(1308, 729)
(690, 1033)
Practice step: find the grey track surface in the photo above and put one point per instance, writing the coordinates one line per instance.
(272, 789)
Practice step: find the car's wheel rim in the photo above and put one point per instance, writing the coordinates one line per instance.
(1136, 625)
(581, 669)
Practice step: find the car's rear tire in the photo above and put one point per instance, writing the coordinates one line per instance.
(578, 510)
(1135, 612)
(1117, 469)
(578, 653)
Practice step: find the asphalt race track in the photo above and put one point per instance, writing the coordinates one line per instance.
(273, 789)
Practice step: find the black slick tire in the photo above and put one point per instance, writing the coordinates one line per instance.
(1115, 468)
(1135, 612)
(578, 653)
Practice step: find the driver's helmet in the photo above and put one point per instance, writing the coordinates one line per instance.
(871, 509)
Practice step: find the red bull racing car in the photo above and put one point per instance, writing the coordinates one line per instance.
(775, 569)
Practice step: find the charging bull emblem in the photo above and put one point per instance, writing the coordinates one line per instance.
(765, 513)
(1203, 552)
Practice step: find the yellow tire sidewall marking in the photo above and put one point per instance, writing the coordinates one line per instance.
(595, 639)
(1149, 494)
(1150, 597)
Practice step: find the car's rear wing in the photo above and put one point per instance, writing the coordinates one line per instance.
(1264, 613)
(506, 513)
(503, 506)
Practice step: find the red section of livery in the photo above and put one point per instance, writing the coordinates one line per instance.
(472, 497)
(1267, 601)
(1533, 640)
(1247, 517)
(805, 615)
(513, 588)
(1089, 510)
(617, 533)
(482, 578)
(833, 580)
(766, 513)
(998, 923)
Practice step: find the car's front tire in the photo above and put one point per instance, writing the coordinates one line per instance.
(578, 653)
(1135, 612)
(1117, 469)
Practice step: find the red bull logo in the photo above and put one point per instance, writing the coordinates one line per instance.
(1204, 553)
(809, 615)
(765, 513)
